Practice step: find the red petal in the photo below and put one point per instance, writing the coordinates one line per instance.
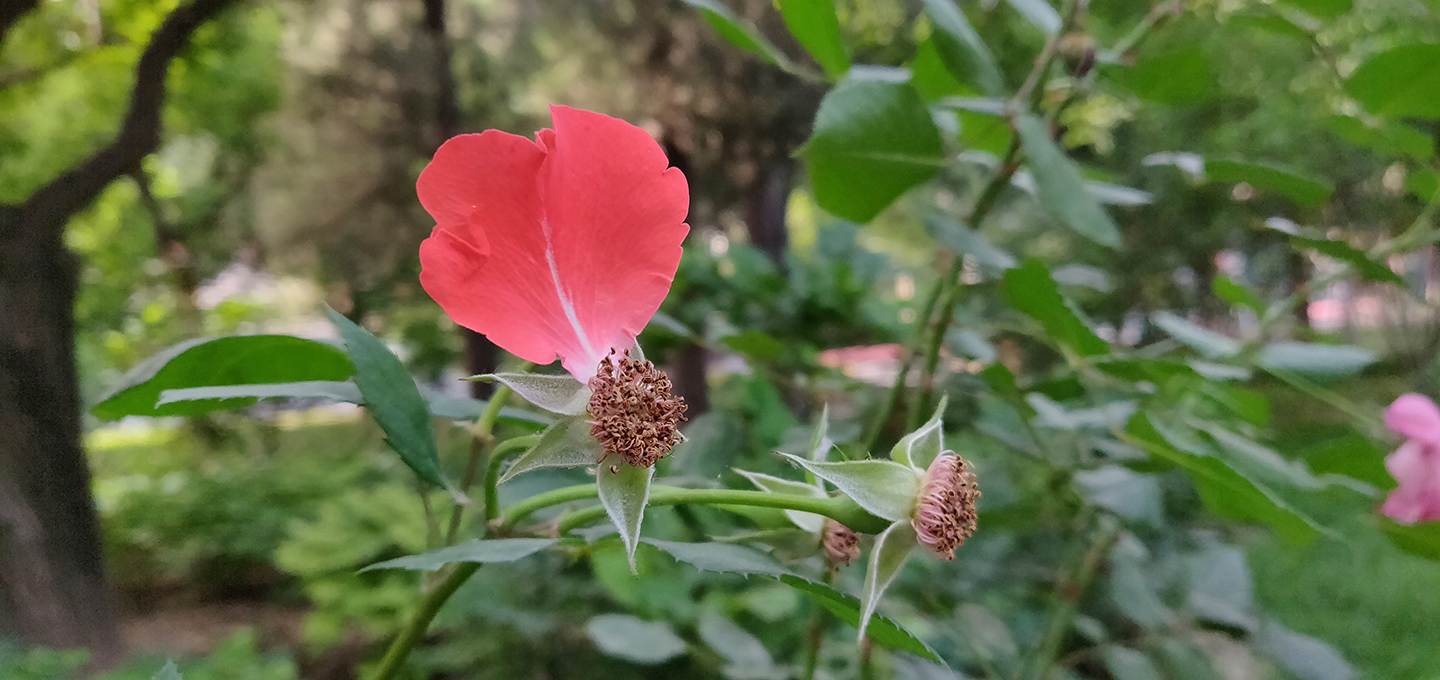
(565, 246)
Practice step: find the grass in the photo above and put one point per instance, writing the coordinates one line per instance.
(1379, 606)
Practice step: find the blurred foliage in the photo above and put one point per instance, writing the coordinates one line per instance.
(1148, 406)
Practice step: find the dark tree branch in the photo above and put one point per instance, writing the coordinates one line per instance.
(49, 208)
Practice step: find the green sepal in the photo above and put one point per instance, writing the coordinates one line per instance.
(624, 493)
(924, 445)
(565, 444)
(560, 394)
(887, 558)
(884, 488)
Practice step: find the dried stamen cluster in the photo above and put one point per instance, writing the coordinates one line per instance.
(841, 543)
(945, 510)
(634, 414)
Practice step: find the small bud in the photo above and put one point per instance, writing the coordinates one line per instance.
(841, 543)
(634, 414)
(945, 510)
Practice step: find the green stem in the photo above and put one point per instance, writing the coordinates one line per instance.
(503, 452)
(400, 648)
(948, 288)
(483, 438)
(1068, 592)
(839, 508)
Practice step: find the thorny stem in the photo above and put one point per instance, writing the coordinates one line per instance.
(1157, 15)
(483, 438)
(1028, 96)
(867, 659)
(1068, 591)
(400, 649)
(947, 289)
(499, 455)
(1025, 99)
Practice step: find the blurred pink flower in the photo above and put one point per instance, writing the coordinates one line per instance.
(1416, 464)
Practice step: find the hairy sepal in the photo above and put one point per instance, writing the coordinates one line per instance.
(808, 521)
(884, 488)
(624, 493)
(920, 447)
(560, 394)
(887, 557)
(820, 442)
(566, 444)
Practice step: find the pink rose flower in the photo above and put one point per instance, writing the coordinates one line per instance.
(1416, 464)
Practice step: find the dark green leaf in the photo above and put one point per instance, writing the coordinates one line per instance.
(739, 32)
(1270, 23)
(930, 77)
(1424, 184)
(1302, 656)
(392, 398)
(1399, 82)
(1303, 189)
(1236, 294)
(478, 551)
(1059, 186)
(1340, 250)
(1353, 455)
(847, 608)
(235, 360)
(815, 26)
(1224, 491)
(1316, 361)
(961, 48)
(1031, 291)
(726, 558)
(1323, 9)
(1179, 77)
(874, 140)
(1421, 539)
(1384, 136)
(753, 343)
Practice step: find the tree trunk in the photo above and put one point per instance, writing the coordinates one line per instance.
(765, 208)
(53, 590)
(481, 355)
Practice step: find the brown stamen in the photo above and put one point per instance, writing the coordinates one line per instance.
(945, 510)
(633, 412)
